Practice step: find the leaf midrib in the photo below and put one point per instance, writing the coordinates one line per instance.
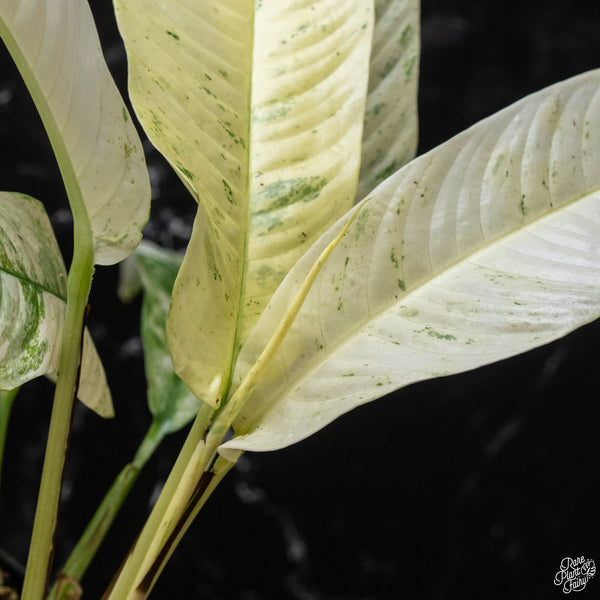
(237, 346)
(81, 217)
(37, 285)
(323, 357)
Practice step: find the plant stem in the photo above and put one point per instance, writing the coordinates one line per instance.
(133, 563)
(97, 528)
(6, 401)
(193, 479)
(215, 476)
(41, 549)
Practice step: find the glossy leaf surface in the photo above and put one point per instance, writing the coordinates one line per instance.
(484, 248)
(259, 108)
(33, 292)
(391, 126)
(56, 48)
(170, 401)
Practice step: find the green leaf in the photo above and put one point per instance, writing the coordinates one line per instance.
(484, 248)
(170, 401)
(56, 48)
(391, 126)
(259, 108)
(33, 293)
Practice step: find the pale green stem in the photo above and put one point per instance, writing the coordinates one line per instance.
(137, 554)
(98, 527)
(41, 549)
(213, 478)
(194, 475)
(6, 401)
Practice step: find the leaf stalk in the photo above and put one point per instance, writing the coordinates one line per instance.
(41, 549)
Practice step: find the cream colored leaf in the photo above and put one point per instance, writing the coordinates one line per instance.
(484, 248)
(56, 48)
(391, 125)
(33, 282)
(259, 108)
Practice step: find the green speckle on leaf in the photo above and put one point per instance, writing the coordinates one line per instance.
(157, 124)
(522, 206)
(270, 114)
(436, 334)
(405, 34)
(388, 67)
(228, 192)
(401, 285)
(125, 115)
(386, 172)
(128, 150)
(265, 275)
(186, 172)
(374, 112)
(173, 35)
(205, 89)
(440, 336)
(406, 311)
(378, 107)
(409, 66)
(28, 350)
(159, 84)
(393, 258)
(498, 163)
(286, 192)
(226, 126)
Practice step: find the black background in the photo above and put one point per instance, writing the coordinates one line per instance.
(471, 486)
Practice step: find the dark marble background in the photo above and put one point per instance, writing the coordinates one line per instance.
(472, 486)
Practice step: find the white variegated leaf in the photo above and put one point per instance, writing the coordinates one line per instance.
(259, 107)
(483, 248)
(33, 292)
(56, 48)
(391, 126)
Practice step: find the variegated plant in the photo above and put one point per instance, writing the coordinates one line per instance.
(295, 303)
(55, 45)
(274, 113)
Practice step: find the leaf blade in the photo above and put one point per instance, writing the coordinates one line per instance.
(391, 124)
(430, 260)
(56, 48)
(252, 174)
(171, 403)
(204, 135)
(33, 303)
